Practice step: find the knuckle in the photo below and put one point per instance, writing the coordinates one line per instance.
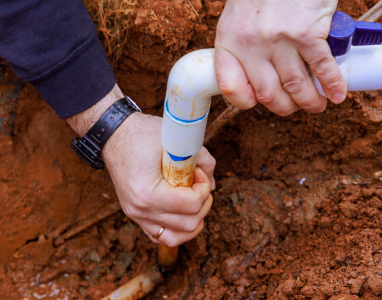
(333, 84)
(195, 209)
(301, 34)
(191, 226)
(264, 96)
(131, 211)
(172, 242)
(134, 213)
(211, 163)
(320, 64)
(272, 33)
(246, 34)
(142, 199)
(294, 83)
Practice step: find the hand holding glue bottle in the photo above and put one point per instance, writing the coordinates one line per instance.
(263, 47)
(357, 48)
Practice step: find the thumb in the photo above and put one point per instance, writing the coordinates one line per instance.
(232, 80)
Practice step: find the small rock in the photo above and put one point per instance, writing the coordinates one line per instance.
(124, 259)
(49, 274)
(83, 291)
(371, 211)
(336, 228)
(197, 4)
(377, 176)
(260, 270)
(355, 285)
(240, 290)
(229, 268)
(94, 256)
(289, 205)
(214, 282)
(234, 199)
(326, 221)
(327, 290)
(375, 284)
(142, 15)
(126, 236)
(215, 8)
(307, 291)
(375, 202)
(275, 271)
(244, 281)
(111, 233)
(350, 210)
(372, 94)
(288, 287)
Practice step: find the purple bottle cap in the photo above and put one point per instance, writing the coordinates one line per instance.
(341, 33)
(345, 32)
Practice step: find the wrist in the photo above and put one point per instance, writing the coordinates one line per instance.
(82, 122)
(101, 126)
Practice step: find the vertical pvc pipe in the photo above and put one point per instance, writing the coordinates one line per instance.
(177, 173)
(191, 85)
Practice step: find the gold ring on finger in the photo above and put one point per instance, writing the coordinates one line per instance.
(157, 236)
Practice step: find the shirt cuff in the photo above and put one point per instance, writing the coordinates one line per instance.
(80, 83)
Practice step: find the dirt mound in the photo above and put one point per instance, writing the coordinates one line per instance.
(296, 212)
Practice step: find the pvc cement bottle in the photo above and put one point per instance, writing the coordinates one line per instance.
(192, 83)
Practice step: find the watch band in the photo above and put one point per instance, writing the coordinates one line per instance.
(90, 146)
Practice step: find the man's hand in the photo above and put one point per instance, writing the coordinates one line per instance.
(261, 50)
(133, 156)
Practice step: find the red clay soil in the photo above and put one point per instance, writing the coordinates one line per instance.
(298, 205)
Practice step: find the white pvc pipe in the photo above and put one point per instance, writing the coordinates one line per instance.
(361, 68)
(191, 85)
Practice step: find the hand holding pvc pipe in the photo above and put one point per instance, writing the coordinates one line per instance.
(133, 156)
(261, 50)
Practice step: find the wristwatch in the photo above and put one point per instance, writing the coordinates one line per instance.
(90, 146)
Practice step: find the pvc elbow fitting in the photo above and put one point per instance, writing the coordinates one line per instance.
(191, 85)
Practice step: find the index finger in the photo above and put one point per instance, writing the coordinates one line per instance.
(324, 66)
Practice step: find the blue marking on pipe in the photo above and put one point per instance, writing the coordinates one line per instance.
(180, 120)
(178, 158)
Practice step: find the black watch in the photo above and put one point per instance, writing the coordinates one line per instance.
(90, 146)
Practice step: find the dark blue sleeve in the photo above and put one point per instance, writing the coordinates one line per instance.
(53, 44)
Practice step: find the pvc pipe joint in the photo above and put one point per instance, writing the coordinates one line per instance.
(191, 85)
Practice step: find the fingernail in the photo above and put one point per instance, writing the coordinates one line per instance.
(338, 98)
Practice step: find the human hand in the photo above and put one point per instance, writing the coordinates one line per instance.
(133, 156)
(261, 50)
